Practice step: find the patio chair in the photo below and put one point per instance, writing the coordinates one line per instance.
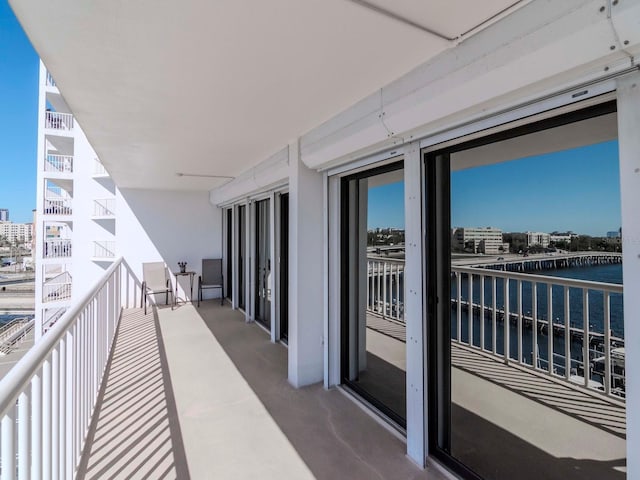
(156, 279)
(211, 277)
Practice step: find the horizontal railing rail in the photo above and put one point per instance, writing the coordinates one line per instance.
(48, 398)
(105, 207)
(59, 120)
(58, 163)
(507, 314)
(57, 248)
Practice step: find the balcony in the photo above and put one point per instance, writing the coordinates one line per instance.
(58, 164)
(104, 250)
(57, 248)
(154, 416)
(104, 208)
(49, 81)
(57, 288)
(98, 169)
(57, 206)
(58, 121)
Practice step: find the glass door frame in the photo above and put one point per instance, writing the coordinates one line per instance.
(436, 164)
(347, 277)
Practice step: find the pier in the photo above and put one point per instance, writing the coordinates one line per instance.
(519, 263)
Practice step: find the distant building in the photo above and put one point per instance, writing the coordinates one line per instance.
(487, 240)
(538, 238)
(13, 232)
(4, 215)
(614, 234)
(562, 236)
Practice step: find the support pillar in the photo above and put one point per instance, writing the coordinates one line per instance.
(414, 313)
(629, 152)
(306, 272)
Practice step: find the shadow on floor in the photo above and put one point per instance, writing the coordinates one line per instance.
(135, 431)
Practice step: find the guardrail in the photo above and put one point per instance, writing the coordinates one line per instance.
(58, 163)
(98, 169)
(105, 207)
(50, 82)
(57, 288)
(47, 400)
(57, 206)
(15, 336)
(57, 248)
(104, 249)
(572, 316)
(385, 287)
(58, 120)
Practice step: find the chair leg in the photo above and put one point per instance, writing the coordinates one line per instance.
(199, 295)
(145, 302)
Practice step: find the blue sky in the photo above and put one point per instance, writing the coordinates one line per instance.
(18, 122)
(576, 189)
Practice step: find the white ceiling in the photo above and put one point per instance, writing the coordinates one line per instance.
(162, 87)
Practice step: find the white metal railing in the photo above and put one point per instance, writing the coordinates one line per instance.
(15, 336)
(58, 163)
(51, 316)
(105, 207)
(50, 82)
(104, 249)
(47, 400)
(57, 248)
(57, 206)
(560, 326)
(58, 120)
(385, 287)
(57, 288)
(98, 169)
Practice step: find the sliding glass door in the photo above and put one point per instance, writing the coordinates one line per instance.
(262, 263)
(373, 351)
(525, 302)
(284, 266)
(242, 258)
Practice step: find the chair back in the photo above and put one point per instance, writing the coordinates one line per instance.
(212, 271)
(155, 275)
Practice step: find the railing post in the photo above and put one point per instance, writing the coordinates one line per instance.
(7, 439)
(534, 323)
(470, 311)
(550, 328)
(494, 315)
(567, 334)
(36, 425)
(459, 306)
(519, 292)
(46, 419)
(24, 437)
(506, 329)
(482, 312)
(607, 342)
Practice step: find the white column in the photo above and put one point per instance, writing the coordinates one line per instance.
(413, 302)
(306, 271)
(332, 282)
(248, 263)
(629, 148)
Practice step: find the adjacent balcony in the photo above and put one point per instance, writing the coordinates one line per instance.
(57, 288)
(57, 248)
(104, 208)
(98, 169)
(104, 250)
(58, 121)
(58, 164)
(57, 206)
(49, 81)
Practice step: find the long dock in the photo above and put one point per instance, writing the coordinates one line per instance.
(519, 263)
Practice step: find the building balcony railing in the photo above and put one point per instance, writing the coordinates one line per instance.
(58, 121)
(49, 81)
(57, 206)
(506, 314)
(57, 288)
(99, 170)
(57, 248)
(105, 207)
(104, 249)
(58, 163)
(48, 398)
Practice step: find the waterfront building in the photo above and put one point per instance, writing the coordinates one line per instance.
(254, 134)
(487, 240)
(16, 232)
(614, 234)
(538, 238)
(562, 236)
(4, 215)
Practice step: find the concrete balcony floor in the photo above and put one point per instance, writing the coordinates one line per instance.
(198, 393)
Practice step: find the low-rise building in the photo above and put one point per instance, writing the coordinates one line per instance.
(487, 240)
(538, 238)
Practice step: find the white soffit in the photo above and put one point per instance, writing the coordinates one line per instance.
(213, 88)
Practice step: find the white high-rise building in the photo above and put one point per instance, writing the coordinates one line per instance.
(76, 205)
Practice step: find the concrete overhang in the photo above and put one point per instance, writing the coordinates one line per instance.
(209, 89)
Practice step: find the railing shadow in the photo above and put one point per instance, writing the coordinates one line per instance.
(135, 430)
